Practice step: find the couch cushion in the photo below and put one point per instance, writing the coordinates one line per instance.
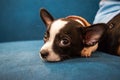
(20, 61)
(19, 19)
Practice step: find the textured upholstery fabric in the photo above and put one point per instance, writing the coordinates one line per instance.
(19, 19)
(20, 61)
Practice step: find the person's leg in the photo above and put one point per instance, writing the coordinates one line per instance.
(108, 9)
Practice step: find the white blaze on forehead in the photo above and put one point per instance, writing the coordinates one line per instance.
(54, 29)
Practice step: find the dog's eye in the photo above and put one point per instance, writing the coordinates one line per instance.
(64, 42)
(45, 37)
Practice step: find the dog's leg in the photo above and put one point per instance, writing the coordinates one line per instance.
(87, 51)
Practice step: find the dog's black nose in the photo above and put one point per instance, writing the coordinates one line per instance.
(44, 54)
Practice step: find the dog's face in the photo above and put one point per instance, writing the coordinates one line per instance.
(63, 38)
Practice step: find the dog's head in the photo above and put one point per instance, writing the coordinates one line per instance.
(66, 37)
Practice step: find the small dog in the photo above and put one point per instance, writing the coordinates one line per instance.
(74, 36)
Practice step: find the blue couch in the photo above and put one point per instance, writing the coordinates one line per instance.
(21, 32)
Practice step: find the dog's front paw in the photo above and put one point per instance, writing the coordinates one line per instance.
(86, 52)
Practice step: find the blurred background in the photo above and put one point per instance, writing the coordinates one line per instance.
(20, 21)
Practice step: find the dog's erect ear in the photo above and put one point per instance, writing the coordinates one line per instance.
(46, 17)
(93, 33)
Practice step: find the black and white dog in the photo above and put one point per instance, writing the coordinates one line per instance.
(71, 36)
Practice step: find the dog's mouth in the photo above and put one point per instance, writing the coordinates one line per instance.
(59, 59)
(65, 57)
